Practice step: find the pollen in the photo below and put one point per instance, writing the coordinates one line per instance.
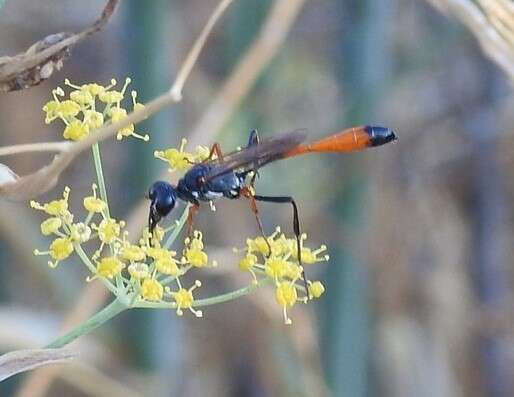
(109, 267)
(50, 226)
(152, 290)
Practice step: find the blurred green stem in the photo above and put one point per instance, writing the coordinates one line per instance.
(100, 176)
(97, 319)
(121, 304)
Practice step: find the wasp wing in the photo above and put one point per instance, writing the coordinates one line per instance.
(253, 157)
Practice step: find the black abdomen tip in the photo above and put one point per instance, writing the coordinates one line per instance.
(380, 135)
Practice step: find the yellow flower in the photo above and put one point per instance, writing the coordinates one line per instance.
(76, 130)
(109, 230)
(276, 267)
(51, 109)
(82, 97)
(167, 265)
(157, 253)
(93, 119)
(109, 267)
(152, 290)
(194, 254)
(80, 232)
(132, 253)
(68, 108)
(55, 207)
(93, 88)
(50, 226)
(178, 160)
(93, 203)
(110, 97)
(138, 270)
(316, 289)
(196, 258)
(286, 296)
(61, 248)
(184, 299)
(247, 262)
(258, 245)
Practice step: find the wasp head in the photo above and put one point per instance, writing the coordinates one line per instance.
(163, 197)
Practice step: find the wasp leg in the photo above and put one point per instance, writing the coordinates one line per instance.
(296, 227)
(246, 192)
(193, 210)
(215, 149)
(153, 220)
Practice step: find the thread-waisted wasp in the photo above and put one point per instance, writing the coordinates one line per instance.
(233, 175)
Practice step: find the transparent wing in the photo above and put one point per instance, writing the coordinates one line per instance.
(254, 157)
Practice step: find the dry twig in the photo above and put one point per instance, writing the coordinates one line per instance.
(45, 56)
(492, 23)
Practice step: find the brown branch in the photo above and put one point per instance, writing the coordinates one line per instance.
(43, 57)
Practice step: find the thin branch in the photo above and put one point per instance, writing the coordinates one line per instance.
(192, 57)
(61, 146)
(495, 42)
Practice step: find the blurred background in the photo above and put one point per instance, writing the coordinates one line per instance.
(419, 284)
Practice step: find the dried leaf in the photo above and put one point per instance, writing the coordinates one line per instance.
(7, 175)
(25, 360)
(45, 56)
(32, 185)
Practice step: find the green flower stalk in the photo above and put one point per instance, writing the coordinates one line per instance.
(149, 273)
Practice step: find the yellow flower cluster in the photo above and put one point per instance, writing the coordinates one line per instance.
(89, 107)
(281, 265)
(144, 271)
(179, 159)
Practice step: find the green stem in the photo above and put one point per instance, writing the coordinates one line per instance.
(100, 177)
(99, 318)
(208, 301)
(174, 234)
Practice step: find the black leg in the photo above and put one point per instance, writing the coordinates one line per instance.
(153, 220)
(296, 226)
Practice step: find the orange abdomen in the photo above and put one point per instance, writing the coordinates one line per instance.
(349, 140)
